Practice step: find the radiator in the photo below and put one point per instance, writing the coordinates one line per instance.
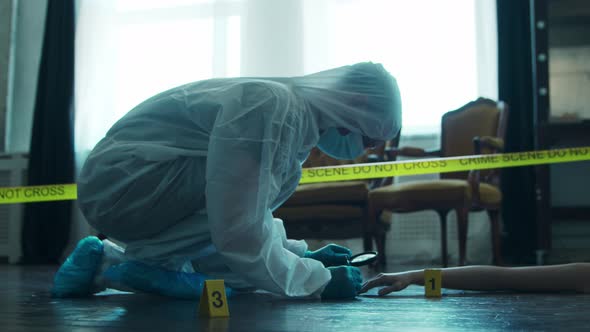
(12, 174)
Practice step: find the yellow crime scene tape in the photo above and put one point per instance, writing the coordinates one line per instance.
(442, 165)
(30, 194)
(59, 192)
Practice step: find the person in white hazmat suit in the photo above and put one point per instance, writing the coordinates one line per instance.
(188, 180)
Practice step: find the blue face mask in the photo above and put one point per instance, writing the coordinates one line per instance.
(346, 147)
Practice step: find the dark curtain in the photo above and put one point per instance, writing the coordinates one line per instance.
(515, 88)
(47, 225)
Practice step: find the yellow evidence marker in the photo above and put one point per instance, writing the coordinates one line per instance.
(213, 300)
(432, 282)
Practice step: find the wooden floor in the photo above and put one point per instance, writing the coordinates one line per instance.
(26, 306)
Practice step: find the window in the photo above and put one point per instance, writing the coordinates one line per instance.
(130, 50)
(442, 53)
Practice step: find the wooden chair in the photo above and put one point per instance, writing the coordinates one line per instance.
(477, 127)
(332, 210)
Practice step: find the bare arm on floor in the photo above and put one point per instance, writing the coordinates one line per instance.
(566, 277)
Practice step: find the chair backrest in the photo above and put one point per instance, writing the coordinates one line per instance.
(482, 117)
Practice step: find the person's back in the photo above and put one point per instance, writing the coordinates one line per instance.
(182, 118)
(163, 143)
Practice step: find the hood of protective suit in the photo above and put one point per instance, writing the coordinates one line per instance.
(363, 98)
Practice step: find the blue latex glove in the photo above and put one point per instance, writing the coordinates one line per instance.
(330, 255)
(155, 280)
(346, 282)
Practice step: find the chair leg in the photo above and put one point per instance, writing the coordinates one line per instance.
(370, 225)
(462, 219)
(375, 230)
(496, 239)
(368, 241)
(381, 259)
(442, 214)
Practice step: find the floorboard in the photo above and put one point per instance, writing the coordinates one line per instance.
(25, 305)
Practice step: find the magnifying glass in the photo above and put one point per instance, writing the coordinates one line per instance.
(364, 258)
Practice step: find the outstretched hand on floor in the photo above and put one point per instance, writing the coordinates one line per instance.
(391, 282)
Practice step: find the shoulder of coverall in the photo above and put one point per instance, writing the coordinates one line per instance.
(258, 100)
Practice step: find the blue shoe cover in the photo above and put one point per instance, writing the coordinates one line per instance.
(75, 276)
(155, 280)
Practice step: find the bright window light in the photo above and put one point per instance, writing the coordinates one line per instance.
(133, 5)
(155, 57)
(430, 46)
(442, 53)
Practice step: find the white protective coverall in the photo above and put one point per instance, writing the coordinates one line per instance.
(189, 178)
